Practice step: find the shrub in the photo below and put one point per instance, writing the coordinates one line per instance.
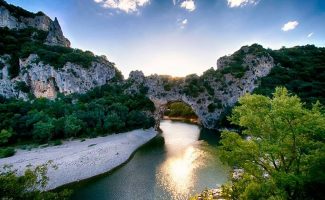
(7, 152)
(22, 86)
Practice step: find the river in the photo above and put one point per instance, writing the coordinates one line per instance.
(180, 162)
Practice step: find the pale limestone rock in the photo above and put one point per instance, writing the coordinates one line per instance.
(40, 22)
(226, 91)
(46, 81)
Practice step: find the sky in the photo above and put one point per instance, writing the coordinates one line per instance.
(181, 37)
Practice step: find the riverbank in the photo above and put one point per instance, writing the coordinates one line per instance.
(77, 160)
(183, 119)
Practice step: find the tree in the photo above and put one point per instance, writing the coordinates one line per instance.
(43, 131)
(72, 126)
(5, 135)
(28, 185)
(113, 123)
(281, 146)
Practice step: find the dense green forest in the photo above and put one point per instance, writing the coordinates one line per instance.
(300, 69)
(101, 111)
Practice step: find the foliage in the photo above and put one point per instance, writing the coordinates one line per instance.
(22, 86)
(300, 69)
(102, 110)
(193, 86)
(72, 125)
(179, 109)
(281, 150)
(236, 67)
(5, 135)
(18, 11)
(6, 152)
(22, 43)
(28, 185)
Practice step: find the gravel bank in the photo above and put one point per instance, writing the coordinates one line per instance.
(78, 160)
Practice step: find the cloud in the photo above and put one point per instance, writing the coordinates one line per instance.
(182, 23)
(290, 26)
(188, 5)
(240, 3)
(128, 6)
(310, 34)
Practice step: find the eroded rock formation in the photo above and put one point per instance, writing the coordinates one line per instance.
(208, 105)
(10, 18)
(46, 81)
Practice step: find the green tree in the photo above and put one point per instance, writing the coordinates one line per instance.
(5, 135)
(42, 131)
(281, 146)
(28, 185)
(72, 126)
(113, 123)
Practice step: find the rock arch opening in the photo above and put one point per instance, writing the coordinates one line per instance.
(180, 111)
(175, 109)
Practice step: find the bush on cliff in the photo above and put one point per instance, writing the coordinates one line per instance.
(22, 43)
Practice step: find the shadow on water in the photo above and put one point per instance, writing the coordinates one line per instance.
(180, 161)
(212, 137)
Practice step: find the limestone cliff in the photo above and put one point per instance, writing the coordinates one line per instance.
(14, 17)
(220, 89)
(43, 80)
(209, 95)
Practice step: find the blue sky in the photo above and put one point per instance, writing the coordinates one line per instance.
(180, 37)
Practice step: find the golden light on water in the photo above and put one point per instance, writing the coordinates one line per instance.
(177, 175)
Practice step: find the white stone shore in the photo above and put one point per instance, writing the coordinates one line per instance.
(78, 160)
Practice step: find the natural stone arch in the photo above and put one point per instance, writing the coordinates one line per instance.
(161, 105)
(221, 89)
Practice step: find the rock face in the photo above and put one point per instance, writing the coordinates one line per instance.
(55, 36)
(226, 90)
(46, 81)
(11, 19)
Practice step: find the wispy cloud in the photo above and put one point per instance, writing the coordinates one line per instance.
(182, 23)
(290, 26)
(240, 3)
(128, 6)
(188, 5)
(310, 34)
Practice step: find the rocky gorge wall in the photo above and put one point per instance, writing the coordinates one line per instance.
(221, 89)
(10, 18)
(208, 105)
(44, 80)
(208, 95)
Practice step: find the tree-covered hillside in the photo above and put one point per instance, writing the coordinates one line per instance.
(103, 110)
(300, 69)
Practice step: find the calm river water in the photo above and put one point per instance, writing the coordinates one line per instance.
(180, 162)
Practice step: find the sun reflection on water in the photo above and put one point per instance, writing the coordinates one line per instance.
(177, 173)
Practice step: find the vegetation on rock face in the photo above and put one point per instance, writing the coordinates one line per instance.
(101, 111)
(21, 43)
(236, 66)
(18, 12)
(281, 149)
(300, 69)
(180, 109)
(28, 186)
